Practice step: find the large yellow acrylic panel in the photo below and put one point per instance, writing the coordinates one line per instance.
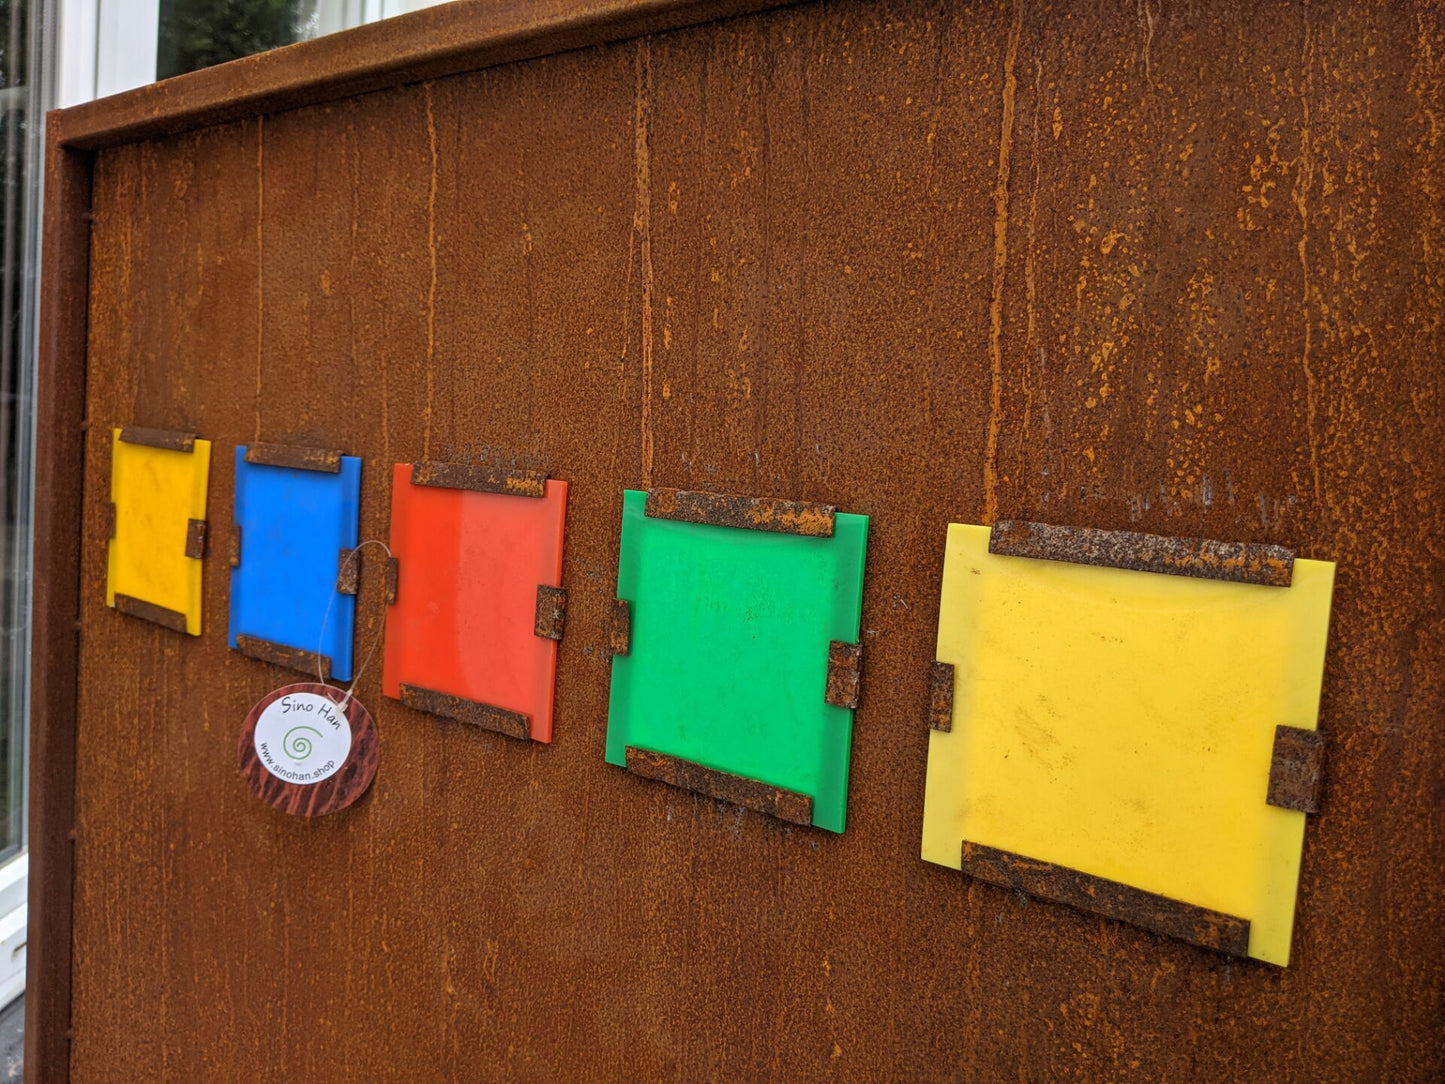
(1122, 723)
(156, 492)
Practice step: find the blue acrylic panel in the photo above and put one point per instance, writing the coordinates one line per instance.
(294, 525)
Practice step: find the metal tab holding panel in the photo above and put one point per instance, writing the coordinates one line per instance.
(348, 572)
(511, 723)
(1202, 558)
(1296, 770)
(845, 674)
(1085, 892)
(751, 794)
(149, 611)
(481, 479)
(307, 662)
(619, 632)
(940, 697)
(169, 439)
(196, 538)
(551, 619)
(747, 513)
(393, 574)
(326, 460)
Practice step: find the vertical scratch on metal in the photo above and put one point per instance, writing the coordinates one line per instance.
(260, 262)
(431, 294)
(642, 225)
(1000, 263)
(1305, 177)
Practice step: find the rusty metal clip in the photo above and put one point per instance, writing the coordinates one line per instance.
(325, 460)
(1297, 769)
(551, 614)
(845, 674)
(940, 697)
(1085, 892)
(168, 439)
(619, 633)
(149, 611)
(293, 658)
(196, 538)
(348, 572)
(1202, 558)
(748, 513)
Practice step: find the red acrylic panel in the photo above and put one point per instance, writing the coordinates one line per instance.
(469, 565)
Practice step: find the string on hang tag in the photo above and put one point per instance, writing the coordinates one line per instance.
(376, 640)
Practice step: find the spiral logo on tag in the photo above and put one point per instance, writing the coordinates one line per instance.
(302, 737)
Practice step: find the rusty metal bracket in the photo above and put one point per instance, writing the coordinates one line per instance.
(325, 460)
(1297, 769)
(480, 479)
(393, 574)
(107, 519)
(1085, 892)
(169, 439)
(293, 658)
(1239, 562)
(751, 794)
(235, 555)
(748, 513)
(619, 632)
(940, 697)
(196, 538)
(514, 724)
(845, 674)
(348, 572)
(551, 618)
(149, 611)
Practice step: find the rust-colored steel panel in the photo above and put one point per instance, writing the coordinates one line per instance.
(1173, 271)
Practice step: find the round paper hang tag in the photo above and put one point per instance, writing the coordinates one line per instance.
(303, 754)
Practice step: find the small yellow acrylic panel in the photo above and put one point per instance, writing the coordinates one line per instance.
(156, 493)
(1122, 723)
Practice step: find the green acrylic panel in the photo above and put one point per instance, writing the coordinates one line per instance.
(729, 652)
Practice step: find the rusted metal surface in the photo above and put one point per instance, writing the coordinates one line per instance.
(169, 439)
(348, 572)
(149, 611)
(551, 619)
(619, 627)
(325, 460)
(393, 574)
(845, 674)
(1297, 769)
(293, 658)
(748, 513)
(107, 520)
(786, 805)
(234, 557)
(1059, 884)
(481, 479)
(1202, 558)
(1124, 301)
(62, 454)
(940, 696)
(514, 724)
(196, 538)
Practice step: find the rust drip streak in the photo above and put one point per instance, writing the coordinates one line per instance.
(642, 224)
(1000, 264)
(431, 293)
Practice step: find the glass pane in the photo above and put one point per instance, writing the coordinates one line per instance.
(19, 205)
(196, 34)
